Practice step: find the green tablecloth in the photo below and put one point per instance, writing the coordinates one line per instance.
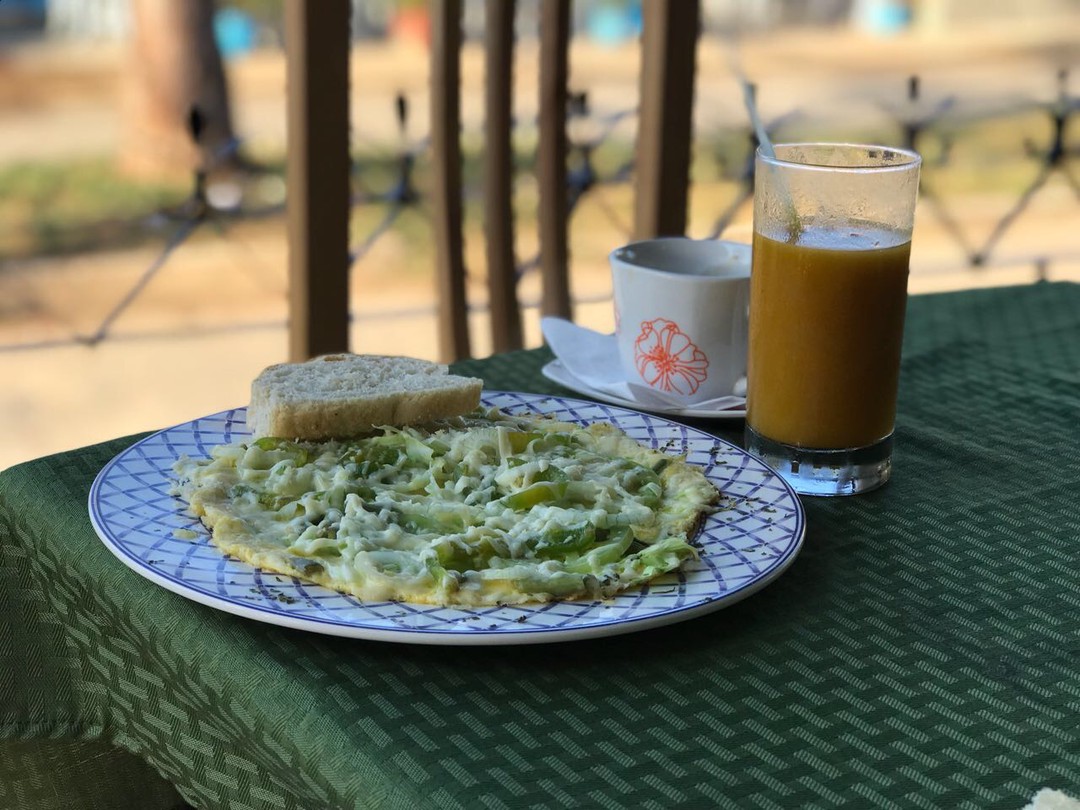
(922, 651)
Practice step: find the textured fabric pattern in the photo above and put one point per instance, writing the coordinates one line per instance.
(79, 775)
(921, 652)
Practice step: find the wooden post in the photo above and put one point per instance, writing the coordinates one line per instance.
(453, 327)
(551, 158)
(499, 174)
(317, 175)
(669, 47)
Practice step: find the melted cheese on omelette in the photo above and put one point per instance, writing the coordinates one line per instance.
(491, 509)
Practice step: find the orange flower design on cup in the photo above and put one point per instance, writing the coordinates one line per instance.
(667, 359)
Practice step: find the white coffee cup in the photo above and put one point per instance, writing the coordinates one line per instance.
(681, 315)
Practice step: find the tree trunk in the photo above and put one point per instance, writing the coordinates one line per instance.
(175, 66)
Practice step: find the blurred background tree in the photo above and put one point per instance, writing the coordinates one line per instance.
(175, 66)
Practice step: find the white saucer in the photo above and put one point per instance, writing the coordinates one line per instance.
(558, 373)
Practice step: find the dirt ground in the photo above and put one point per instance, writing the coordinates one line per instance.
(214, 316)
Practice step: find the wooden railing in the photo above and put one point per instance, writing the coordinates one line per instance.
(317, 175)
(318, 162)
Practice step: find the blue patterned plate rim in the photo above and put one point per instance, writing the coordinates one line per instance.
(745, 545)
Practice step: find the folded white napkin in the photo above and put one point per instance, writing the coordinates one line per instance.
(1050, 799)
(593, 358)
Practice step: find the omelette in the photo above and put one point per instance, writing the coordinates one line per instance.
(488, 509)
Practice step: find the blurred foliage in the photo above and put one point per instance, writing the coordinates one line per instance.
(50, 208)
(84, 205)
(262, 10)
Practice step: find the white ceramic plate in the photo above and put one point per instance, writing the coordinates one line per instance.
(746, 544)
(558, 373)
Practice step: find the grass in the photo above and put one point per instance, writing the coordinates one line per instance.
(56, 208)
(85, 205)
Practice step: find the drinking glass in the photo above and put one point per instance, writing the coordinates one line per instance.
(828, 291)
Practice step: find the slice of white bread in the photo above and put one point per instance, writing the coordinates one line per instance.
(342, 395)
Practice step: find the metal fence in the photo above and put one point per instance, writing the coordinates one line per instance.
(915, 124)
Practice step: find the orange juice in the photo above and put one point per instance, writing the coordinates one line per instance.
(826, 324)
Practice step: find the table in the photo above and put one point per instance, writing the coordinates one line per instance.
(922, 651)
